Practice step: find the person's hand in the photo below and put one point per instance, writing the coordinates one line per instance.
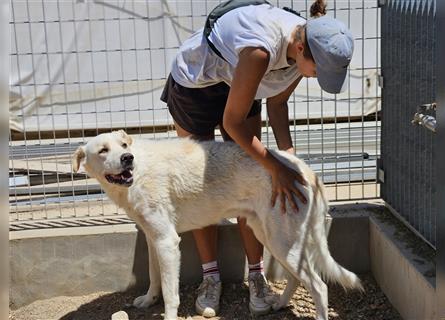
(283, 186)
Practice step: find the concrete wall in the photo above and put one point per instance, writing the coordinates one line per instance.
(77, 261)
(406, 278)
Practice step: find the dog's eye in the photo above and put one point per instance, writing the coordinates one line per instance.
(124, 145)
(103, 150)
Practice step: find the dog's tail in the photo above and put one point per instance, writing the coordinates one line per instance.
(324, 263)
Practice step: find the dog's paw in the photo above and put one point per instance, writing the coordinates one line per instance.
(145, 301)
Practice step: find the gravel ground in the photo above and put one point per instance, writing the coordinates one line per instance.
(234, 305)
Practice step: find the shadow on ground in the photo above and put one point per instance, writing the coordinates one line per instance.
(234, 305)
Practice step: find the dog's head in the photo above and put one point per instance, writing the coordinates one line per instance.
(108, 158)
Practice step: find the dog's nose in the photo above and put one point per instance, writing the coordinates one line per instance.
(127, 158)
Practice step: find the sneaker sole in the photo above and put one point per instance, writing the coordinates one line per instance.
(259, 312)
(206, 312)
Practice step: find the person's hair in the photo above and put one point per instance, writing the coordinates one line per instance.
(318, 9)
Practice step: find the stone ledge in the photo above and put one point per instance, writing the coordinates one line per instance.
(406, 278)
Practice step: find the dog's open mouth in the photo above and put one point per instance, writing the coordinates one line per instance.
(124, 178)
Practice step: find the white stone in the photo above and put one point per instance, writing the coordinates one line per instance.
(120, 315)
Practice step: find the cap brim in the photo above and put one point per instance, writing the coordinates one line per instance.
(332, 82)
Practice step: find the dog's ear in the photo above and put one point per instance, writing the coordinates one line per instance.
(127, 138)
(77, 159)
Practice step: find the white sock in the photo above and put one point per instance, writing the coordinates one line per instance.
(256, 268)
(210, 269)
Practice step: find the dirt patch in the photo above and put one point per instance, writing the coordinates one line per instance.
(234, 305)
(417, 246)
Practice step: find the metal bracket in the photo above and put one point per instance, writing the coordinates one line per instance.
(425, 120)
(427, 106)
(380, 173)
(380, 81)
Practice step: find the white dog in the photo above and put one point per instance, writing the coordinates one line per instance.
(168, 187)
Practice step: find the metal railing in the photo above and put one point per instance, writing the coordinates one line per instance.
(79, 68)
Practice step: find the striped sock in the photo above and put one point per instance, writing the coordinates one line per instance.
(256, 268)
(211, 269)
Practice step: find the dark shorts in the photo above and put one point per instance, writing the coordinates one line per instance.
(199, 110)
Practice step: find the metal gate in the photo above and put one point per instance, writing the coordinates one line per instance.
(408, 38)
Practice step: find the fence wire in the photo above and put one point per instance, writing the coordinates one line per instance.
(79, 68)
(409, 75)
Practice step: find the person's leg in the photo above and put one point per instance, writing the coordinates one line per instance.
(252, 247)
(205, 238)
(260, 294)
(207, 302)
(196, 112)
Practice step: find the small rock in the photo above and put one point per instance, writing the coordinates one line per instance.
(120, 315)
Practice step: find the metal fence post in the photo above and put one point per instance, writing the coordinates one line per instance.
(440, 165)
(4, 252)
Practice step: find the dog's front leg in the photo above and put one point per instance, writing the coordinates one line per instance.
(169, 258)
(164, 243)
(154, 290)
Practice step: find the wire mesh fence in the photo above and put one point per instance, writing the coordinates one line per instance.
(409, 74)
(79, 68)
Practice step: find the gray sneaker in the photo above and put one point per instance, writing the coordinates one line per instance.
(260, 295)
(209, 292)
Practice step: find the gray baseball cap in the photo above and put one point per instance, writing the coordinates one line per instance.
(331, 45)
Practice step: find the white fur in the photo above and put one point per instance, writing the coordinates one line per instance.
(181, 184)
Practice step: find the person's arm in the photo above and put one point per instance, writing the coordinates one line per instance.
(250, 70)
(278, 113)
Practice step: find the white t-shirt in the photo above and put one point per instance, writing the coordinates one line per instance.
(197, 66)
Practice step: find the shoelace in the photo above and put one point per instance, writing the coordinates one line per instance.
(209, 289)
(260, 287)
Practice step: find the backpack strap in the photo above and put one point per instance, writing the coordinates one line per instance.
(220, 10)
(291, 11)
(225, 7)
